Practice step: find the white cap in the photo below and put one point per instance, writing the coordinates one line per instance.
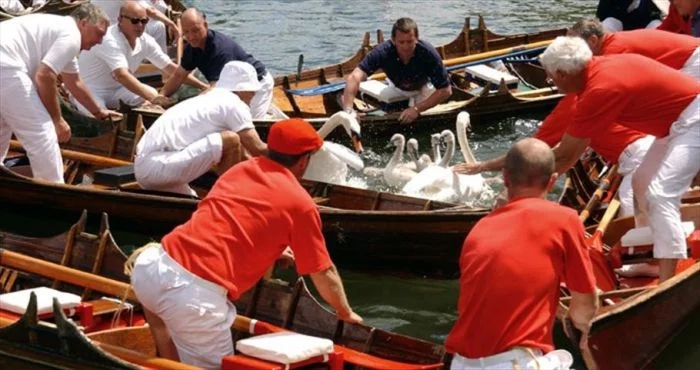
(238, 76)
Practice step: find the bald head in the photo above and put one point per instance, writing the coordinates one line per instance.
(529, 164)
(132, 9)
(192, 15)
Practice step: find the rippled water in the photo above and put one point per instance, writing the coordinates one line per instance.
(276, 32)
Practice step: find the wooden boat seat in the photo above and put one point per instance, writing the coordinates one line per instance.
(485, 73)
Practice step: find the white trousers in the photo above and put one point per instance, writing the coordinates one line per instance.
(663, 177)
(263, 97)
(159, 32)
(197, 312)
(518, 358)
(23, 113)
(692, 65)
(171, 171)
(628, 162)
(109, 98)
(414, 96)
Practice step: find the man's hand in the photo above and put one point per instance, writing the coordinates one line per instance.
(468, 168)
(174, 31)
(351, 317)
(409, 115)
(286, 259)
(62, 130)
(107, 114)
(163, 101)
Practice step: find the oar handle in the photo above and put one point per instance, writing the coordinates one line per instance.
(69, 275)
(609, 215)
(92, 159)
(598, 194)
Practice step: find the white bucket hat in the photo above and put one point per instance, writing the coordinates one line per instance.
(238, 76)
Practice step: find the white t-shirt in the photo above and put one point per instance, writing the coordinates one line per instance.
(98, 63)
(29, 40)
(214, 111)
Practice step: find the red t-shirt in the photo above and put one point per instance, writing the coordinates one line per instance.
(668, 48)
(634, 91)
(242, 226)
(674, 22)
(610, 145)
(512, 263)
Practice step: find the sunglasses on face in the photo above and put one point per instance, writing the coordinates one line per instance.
(135, 20)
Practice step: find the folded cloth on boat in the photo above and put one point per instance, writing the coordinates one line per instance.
(18, 301)
(284, 347)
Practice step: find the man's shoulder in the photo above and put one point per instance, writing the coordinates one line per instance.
(426, 49)
(220, 40)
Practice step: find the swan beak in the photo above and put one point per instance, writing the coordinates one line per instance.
(356, 142)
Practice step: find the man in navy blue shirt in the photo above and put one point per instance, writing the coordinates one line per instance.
(412, 66)
(208, 51)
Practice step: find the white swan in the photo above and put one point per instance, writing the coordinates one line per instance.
(421, 162)
(470, 186)
(437, 182)
(397, 173)
(330, 163)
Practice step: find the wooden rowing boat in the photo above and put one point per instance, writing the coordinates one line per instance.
(363, 228)
(482, 101)
(644, 317)
(277, 305)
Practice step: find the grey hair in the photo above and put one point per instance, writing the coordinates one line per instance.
(91, 13)
(566, 54)
(586, 28)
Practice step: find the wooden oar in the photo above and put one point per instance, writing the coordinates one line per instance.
(605, 184)
(180, 46)
(96, 160)
(451, 64)
(108, 286)
(605, 276)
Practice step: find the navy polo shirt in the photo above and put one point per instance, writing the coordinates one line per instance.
(218, 50)
(425, 65)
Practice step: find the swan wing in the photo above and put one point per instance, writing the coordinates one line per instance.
(344, 154)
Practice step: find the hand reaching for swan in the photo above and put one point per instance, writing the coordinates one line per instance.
(468, 168)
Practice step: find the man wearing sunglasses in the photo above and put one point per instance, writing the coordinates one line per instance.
(109, 69)
(208, 51)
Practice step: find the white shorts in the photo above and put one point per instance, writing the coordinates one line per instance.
(628, 162)
(23, 113)
(415, 96)
(262, 99)
(662, 178)
(109, 98)
(172, 171)
(197, 312)
(518, 358)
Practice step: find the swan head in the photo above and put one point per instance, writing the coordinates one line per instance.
(447, 136)
(397, 140)
(412, 148)
(463, 121)
(435, 139)
(350, 125)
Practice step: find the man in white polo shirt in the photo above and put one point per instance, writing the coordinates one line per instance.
(34, 50)
(108, 69)
(201, 133)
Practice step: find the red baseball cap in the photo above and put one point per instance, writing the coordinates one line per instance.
(293, 136)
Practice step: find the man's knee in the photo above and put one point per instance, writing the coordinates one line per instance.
(230, 140)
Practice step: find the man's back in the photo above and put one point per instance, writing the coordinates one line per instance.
(254, 211)
(214, 111)
(668, 48)
(511, 264)
(26, 40)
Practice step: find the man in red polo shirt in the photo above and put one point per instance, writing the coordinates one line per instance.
(654, 99)
(504, 323)
(619, 144)
(254, 211)
(674, 50)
